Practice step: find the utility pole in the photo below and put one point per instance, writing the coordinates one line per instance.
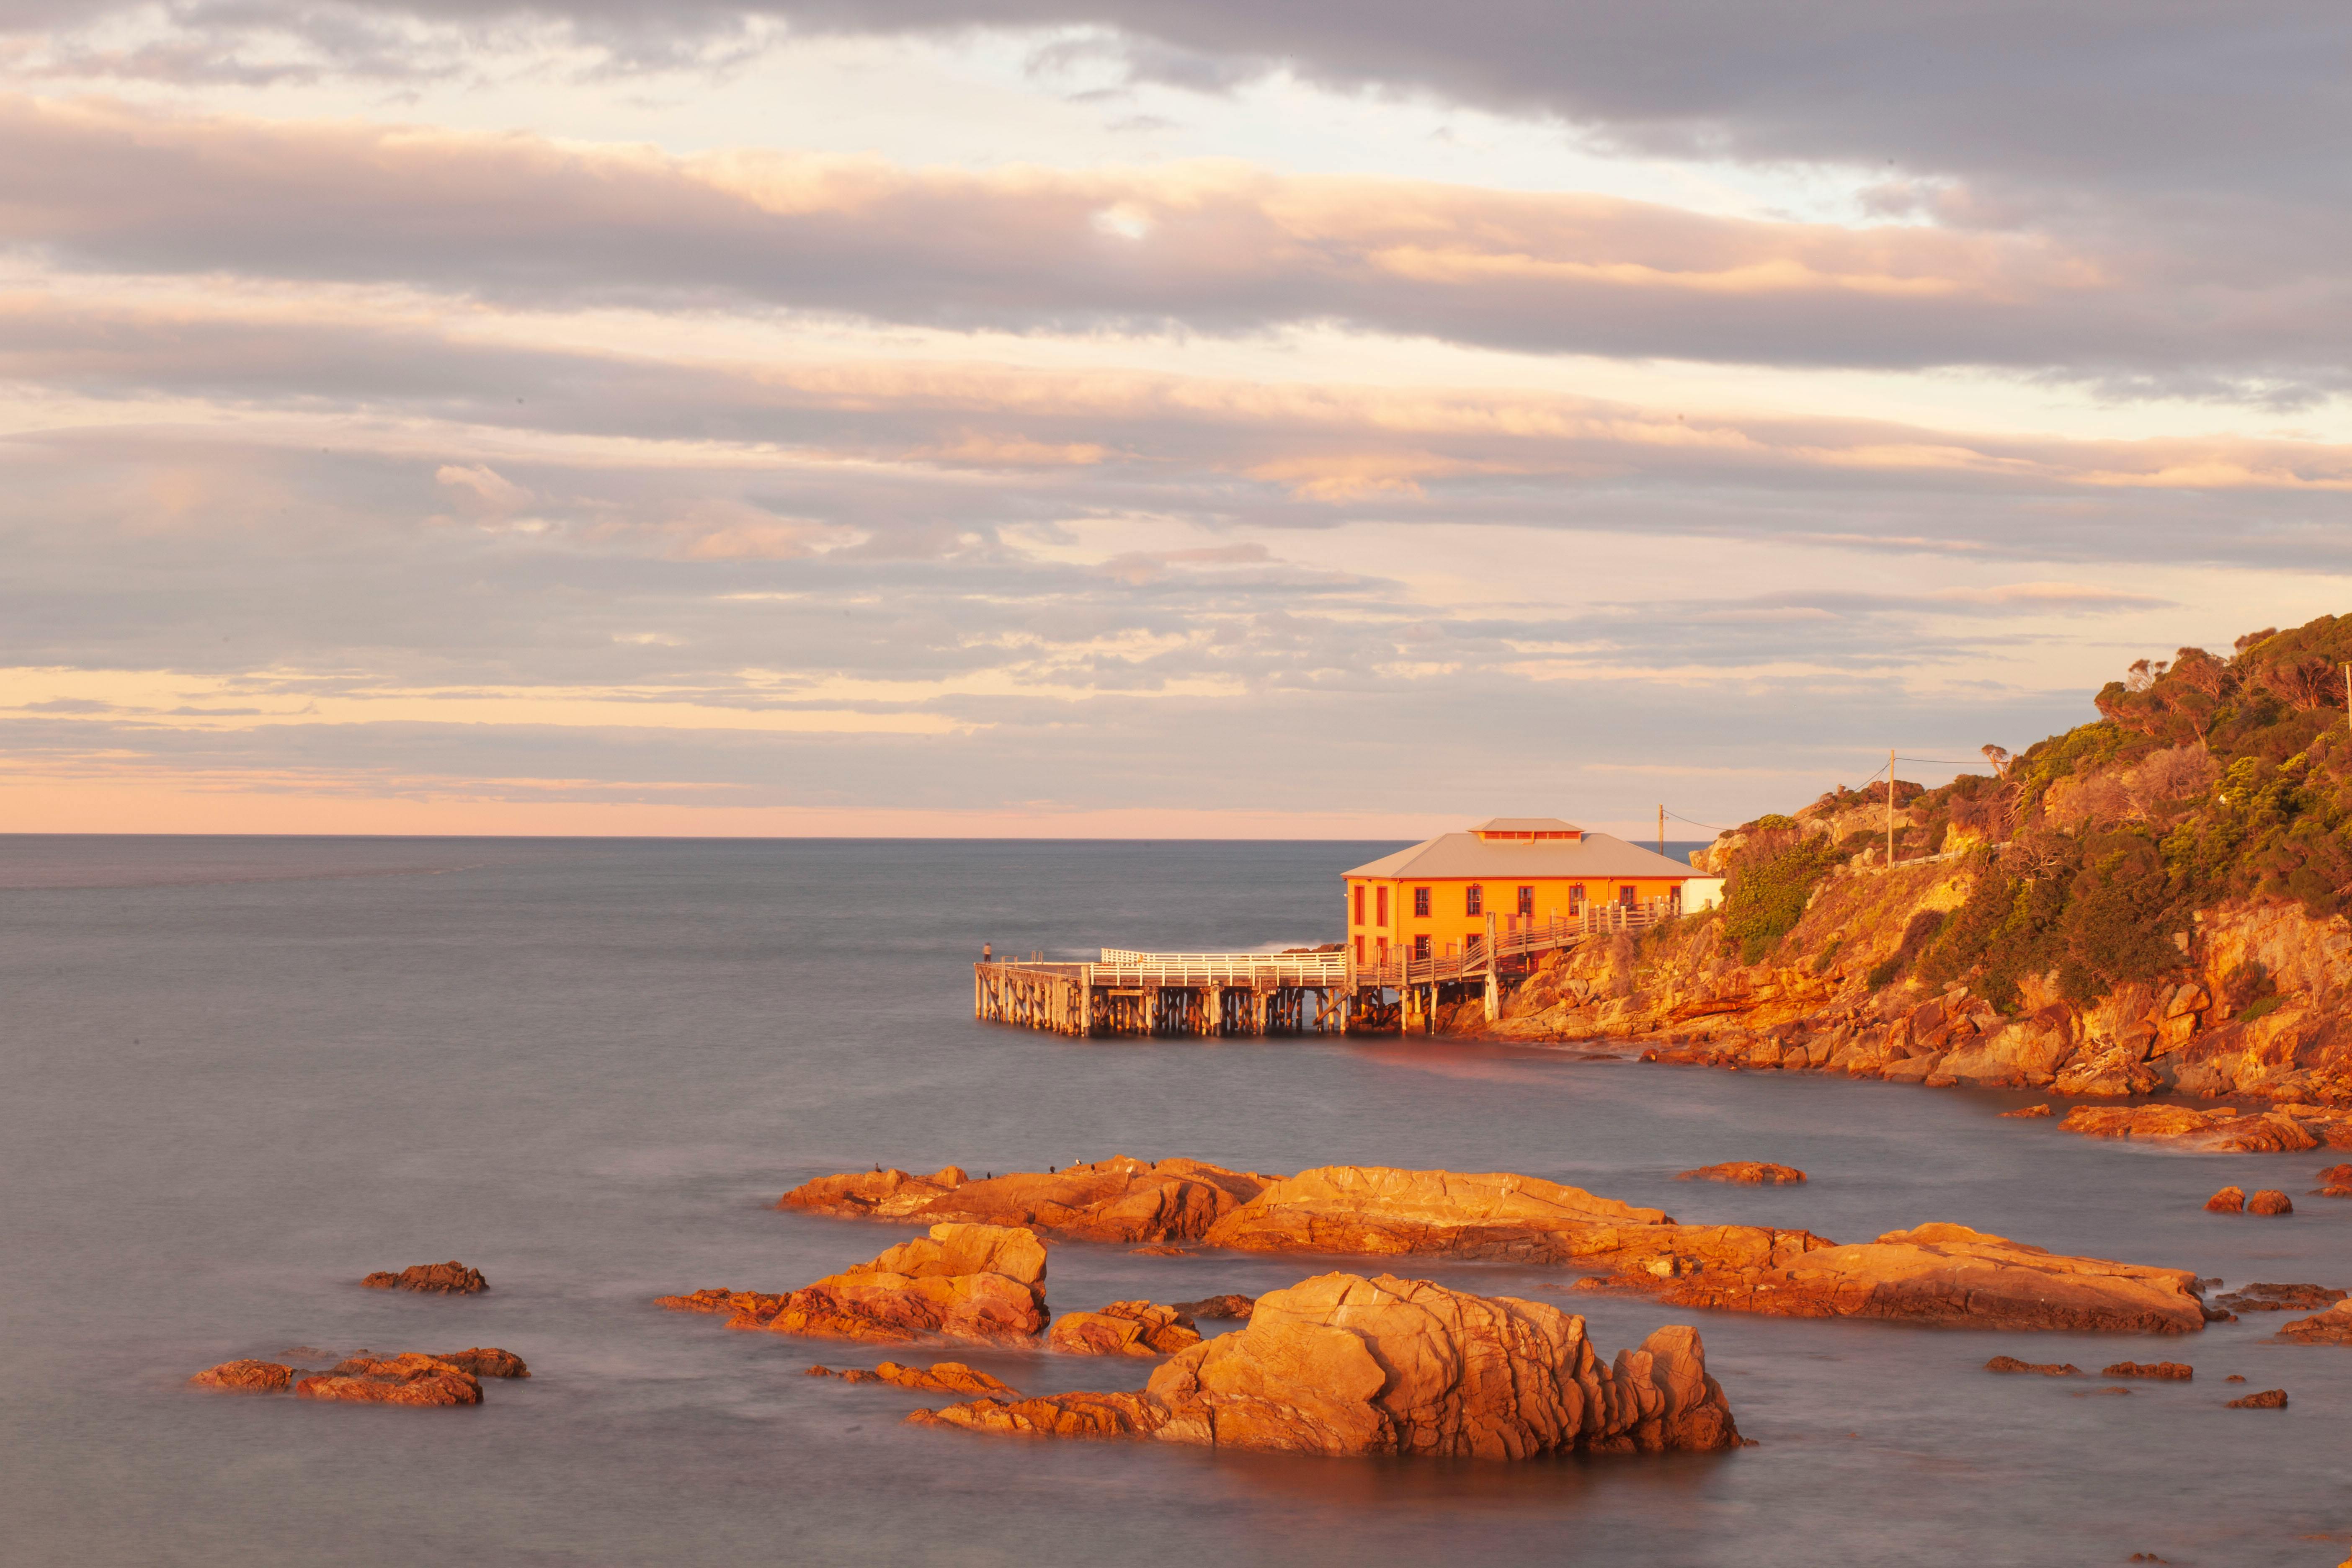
(1890, 808)
(1662, 810)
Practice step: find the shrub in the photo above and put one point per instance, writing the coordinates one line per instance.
(1766, 897)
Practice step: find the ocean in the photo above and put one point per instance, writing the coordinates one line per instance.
(242, 1073)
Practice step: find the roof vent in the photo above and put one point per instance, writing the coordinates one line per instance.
(1525, 829)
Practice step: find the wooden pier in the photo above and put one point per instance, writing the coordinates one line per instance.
(1125, 993)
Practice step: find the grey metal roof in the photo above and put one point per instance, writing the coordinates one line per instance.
(1596, 855)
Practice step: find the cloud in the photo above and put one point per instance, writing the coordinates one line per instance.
(1216, 247)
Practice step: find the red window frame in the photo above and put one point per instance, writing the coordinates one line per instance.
(1527, 901)
(1359, 907)
(1474, 900)
(1381, 903)
(1421, 906)
(1421, 947)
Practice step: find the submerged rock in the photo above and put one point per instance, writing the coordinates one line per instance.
(940, 1377)
(409, 1378)
(2229, 1200)
(2173, 1370)
(2029, 1110)
(450, 1279)
(1217, 1306)
(245, 1377)
(1746, 1173)
(2046, 1368)
(2264, 1297)
(975, 1284)
(1124, 1327)
(485, 1361)
(2268, 1399)
(1348, 1366)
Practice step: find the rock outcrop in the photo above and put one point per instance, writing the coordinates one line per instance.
(1348, 1366)
(245, 1377)
(2172, 1370)
(1217, 1306)
(873, 1194)
(1124, 1327)
(1373, 1211)
(1745, 1172)
(2269, 1201)
(450, 1279)
(486, 1360)
(1116, 1200)
(2332, 1327)
(1939, 1273)
(409, 1378)
(968, 1284)
(2229, 1200)
(2268, 1399)
(2045, 1368)
(940, 1377)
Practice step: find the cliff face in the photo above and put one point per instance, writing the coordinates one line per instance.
(2120, 911)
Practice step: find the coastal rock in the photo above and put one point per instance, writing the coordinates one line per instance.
(2332, 1327)
(1745, 1172)
(2268, 1399)
(1949, 1273)
(890, 1194)
(1115, 1200)
(2046, 1368)
(2174, 1371)
(2269, 1201)
(745, 1308)
(2263, 1297)
(245, 1377)
(2229, 1200)
(1374, 1210)
(1348, 1366)
(1123, 1327)
(979, 1284)
(2337, 1176)
(2219, 1131)
(1217, 1306)
(940, 1377)
(409, 1378)
(2029, 1110)
(485, 1361)
(450, 1279)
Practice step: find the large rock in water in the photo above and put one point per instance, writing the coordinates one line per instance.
(246, 1377)
(873, 1194)
(973, 1284)
(1124, 1327)
(1941, 1273)
(1343, 1365)
(409, 1378)
(450, 1279)
(1116, 1200)
(1374, 1210)
(2333, 1327)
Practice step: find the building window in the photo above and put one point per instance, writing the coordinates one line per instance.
(1384, 945)
(1474, 900)
(1527, 901)
(1359, 949)
(1360, 903)
(1575, 897)
(1421, 906)
(1627, 895)
(1472, 946)
(1382, 898)
(1421, 944)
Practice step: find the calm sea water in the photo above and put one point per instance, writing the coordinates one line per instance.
(239, 1074)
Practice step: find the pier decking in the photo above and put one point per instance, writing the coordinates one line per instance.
(1233, 993)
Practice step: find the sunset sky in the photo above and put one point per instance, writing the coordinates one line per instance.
(1090, 417)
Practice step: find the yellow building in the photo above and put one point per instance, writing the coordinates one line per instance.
(1432, 899)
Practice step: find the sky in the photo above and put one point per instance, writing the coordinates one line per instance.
(1090, 419)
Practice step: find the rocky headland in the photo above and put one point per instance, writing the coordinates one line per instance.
(1348, 1365)
(2151, 905)
(967, 1284)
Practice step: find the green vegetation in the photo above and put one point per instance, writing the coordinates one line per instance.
(2206, 779)
(1766, 894)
